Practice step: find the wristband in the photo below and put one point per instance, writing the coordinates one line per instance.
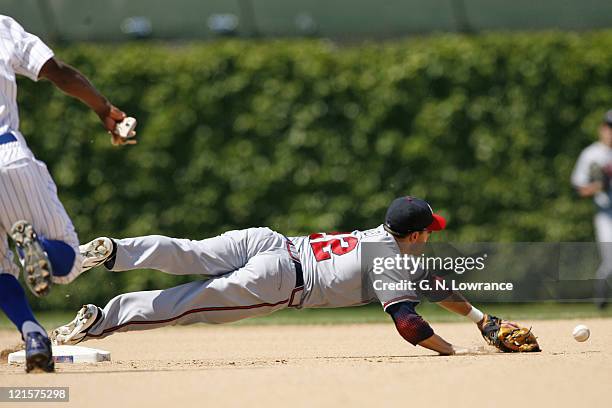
(475, 315)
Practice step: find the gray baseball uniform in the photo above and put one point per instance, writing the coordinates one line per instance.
(596, 162)
(27, 190)
(252, 272)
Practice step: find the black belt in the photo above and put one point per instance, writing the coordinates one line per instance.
(299, 274)
(7, 138)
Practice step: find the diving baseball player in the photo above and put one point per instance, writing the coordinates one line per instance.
(30, 210)
(592, 177)
(257, 271)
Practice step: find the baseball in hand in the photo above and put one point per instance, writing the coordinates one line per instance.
(581, 333)
(126, 127)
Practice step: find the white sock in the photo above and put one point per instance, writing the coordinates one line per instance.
(29, 327)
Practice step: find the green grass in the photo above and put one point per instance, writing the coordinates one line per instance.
(49, 320)
(431, 312)
(374, 314)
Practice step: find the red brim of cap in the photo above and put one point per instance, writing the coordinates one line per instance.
(438, 224)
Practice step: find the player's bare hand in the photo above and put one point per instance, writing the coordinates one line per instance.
(465, 351)
(110, 117)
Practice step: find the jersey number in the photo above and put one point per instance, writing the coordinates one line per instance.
(337, 243)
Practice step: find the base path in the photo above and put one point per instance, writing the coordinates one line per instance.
(349, 365)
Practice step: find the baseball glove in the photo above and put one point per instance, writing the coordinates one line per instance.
(596, 173)
(508, 336)
(601, 174)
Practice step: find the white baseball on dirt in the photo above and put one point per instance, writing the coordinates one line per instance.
(581, 333)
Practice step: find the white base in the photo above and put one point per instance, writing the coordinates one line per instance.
(67, 354)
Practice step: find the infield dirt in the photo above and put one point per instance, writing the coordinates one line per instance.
(348, 365)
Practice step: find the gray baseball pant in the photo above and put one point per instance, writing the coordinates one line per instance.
(252, 273)
(603, 230)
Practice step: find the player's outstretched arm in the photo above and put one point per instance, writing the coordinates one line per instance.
(438, 344)
(453, 302)
(456, 303)
(415, 330)
(75, 84)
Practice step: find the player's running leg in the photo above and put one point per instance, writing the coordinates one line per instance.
(15, 305)
(36, 219)
(37, 266)
(266, 283)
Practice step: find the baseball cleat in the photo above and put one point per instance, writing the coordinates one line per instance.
(75, 331)
(36, 264)
(39, 356)
(96, 252)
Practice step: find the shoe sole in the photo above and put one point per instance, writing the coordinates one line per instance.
(39, 363)
(93, 248)
(79, 336)
(36, 264)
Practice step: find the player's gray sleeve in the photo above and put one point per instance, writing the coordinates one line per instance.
(580, 174)
(391, 283)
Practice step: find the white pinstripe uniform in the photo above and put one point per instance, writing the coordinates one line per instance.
(27, 191)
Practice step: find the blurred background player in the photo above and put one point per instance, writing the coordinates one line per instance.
(592, 177)
(28, 196)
